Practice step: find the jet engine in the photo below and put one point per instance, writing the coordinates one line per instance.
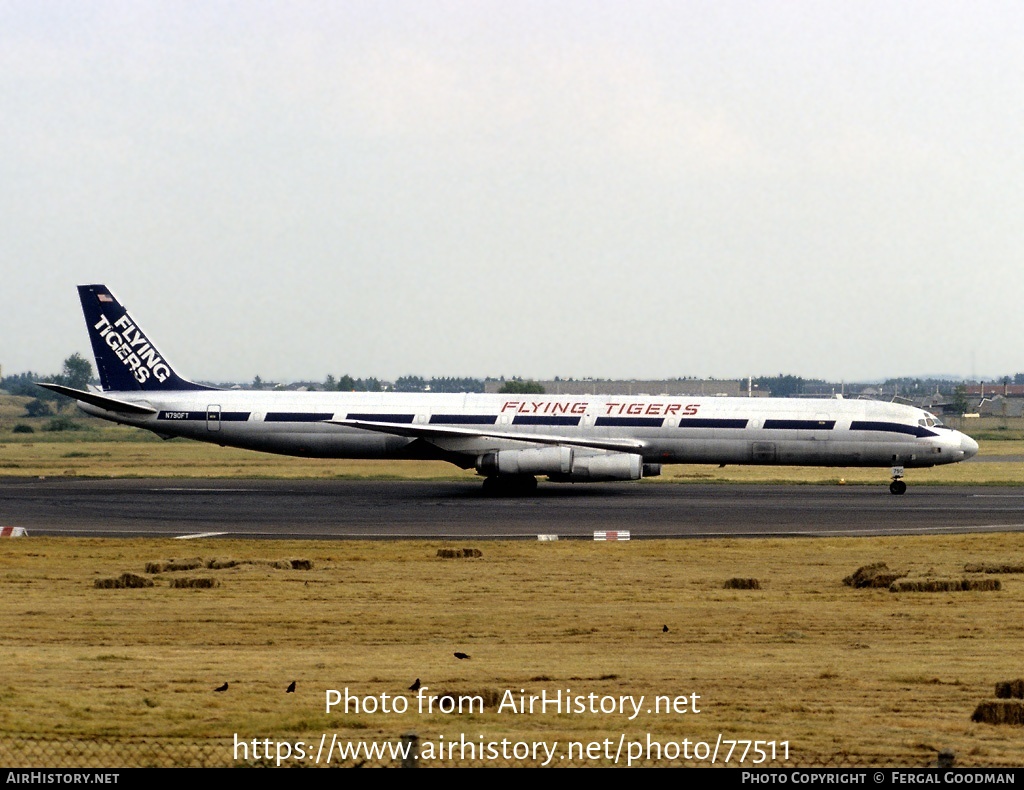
(566, 465)
(604, 467)
(540, 461)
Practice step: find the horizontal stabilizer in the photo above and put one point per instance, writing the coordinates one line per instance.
(95, 399)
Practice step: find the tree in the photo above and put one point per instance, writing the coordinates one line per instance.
(410, 384)
(25, 384)
(520, 387)
(781, 386)
(77, 372)
(451, 384)
(37, 408)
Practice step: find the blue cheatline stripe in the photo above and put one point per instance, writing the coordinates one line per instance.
(541, 420)
(400, 418)
(225, 416)
(463, 419)
(629, 422)
(708, 422)
(800, 425)
(891, 427)
(297, 416)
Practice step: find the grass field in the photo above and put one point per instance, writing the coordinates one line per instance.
(180, 458)
(845, 676)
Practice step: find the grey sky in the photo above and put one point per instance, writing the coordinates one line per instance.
(609, 189)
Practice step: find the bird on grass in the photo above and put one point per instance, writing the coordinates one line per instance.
(461, 656)
(291, 688)
(222, 688)
(415, 686)
(664, 629)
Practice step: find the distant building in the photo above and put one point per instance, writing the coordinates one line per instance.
(992, 388)
(705, 387)
(1000, 406)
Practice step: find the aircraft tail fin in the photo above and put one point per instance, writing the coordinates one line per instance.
(126, 360)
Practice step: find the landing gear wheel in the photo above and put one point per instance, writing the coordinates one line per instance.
(528, 485)
(510, 485)
(897, 487)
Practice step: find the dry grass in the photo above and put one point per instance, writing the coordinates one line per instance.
(852, 676)
(180, 458)
(994, 567)
(87, 457)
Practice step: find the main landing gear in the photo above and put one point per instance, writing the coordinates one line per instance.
(509, 485)
(897, 486)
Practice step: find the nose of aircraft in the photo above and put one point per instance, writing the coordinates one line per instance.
(968, 446)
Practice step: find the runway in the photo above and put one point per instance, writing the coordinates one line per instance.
(332, 510)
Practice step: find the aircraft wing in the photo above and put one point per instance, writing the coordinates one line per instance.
(102, 401)
(436, 434)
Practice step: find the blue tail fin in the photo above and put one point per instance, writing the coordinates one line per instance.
(125, 358)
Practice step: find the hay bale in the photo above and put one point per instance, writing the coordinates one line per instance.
(123, 582)
(455, 553)
(877, 574)
(945, 585)
(742, 584)
(999, 712)
(926, 585)
(992, 567)
(302, 565)
(1010, 689)
(174, 565)
(981, 585)
(284, 565)
(202, 584)
(492, 698)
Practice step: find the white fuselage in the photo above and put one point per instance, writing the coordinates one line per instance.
(460, 428)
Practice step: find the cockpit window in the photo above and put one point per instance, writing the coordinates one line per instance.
(930, 421)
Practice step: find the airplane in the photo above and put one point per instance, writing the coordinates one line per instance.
(508, 439)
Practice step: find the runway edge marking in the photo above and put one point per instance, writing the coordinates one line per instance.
(200, 535)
